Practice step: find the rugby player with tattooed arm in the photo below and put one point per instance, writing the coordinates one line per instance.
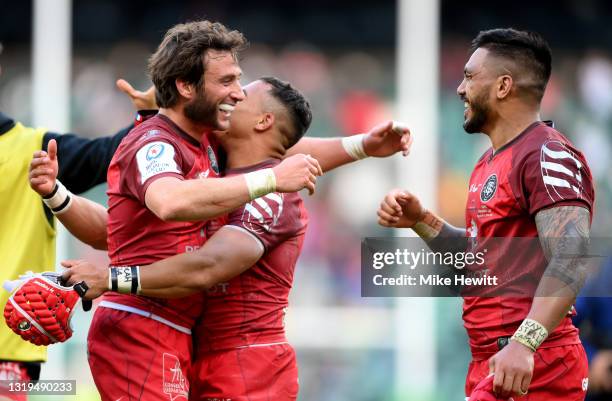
(532, 182)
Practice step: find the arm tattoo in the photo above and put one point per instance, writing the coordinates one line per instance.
(564, 235)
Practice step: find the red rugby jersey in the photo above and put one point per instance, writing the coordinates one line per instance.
(538, 169)
(136, 236)
(250, 308)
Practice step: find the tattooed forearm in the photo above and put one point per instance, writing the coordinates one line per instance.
(564, 235)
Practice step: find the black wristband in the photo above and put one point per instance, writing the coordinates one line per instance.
(113, 275)
(135, 280)
(62, 206)
(53, 192)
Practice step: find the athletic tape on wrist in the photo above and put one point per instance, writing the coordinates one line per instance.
(353, 145)
(427, 228)
(124, 279)
(260, 183)
(531, 334)
(59, 200)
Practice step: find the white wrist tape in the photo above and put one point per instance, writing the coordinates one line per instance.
(260, 182)
(531, 334)
(59, 200)
(124, 279)
(425, 231)
(353, 145)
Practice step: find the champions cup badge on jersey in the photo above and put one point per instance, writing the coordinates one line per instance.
(174, 383)
(213, 159)
(155, 151)
(489, 188)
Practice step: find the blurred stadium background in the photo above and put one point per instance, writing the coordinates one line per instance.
(343, 55)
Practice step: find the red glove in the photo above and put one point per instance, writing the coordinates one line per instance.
(40, 309)
(484, 391)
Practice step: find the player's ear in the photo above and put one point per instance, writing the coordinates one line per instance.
(503, 86)
(265, 122)
(185, 89)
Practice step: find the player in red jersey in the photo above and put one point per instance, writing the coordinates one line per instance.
(154, 187)
(243, 318)
(532, 182)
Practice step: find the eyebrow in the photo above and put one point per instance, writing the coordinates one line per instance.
(231, 76)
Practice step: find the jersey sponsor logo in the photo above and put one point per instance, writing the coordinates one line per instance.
(489, 188)
(561, 171)
(262, 214)
(156, 158)
(213, 159)
(174, 383)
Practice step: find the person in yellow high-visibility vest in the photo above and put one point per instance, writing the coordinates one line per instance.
(27, 227)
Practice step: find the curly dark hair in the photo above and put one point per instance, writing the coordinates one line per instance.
(180, 55)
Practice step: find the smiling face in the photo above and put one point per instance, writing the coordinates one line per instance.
(246, 114)
(213, 106)
(476, 90)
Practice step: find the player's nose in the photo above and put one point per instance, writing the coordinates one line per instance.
(461, 89)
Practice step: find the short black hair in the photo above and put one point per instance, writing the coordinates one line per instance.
(296, 104)
(527, 49)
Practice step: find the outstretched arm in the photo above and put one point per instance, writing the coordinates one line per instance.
(169, 198)
(228, 253)
(174, 200)
(383, 140)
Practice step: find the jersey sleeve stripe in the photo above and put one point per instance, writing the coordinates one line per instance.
(254, 212)
(275, 197)
(559, 168)
(256, 238)
(560, 155)
(262, 203)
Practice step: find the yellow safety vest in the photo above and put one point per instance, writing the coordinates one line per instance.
(27, 240)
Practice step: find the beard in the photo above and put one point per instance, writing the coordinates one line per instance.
(202, 110)
(480, 113)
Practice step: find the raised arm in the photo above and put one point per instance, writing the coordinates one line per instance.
(86, 220)
(383, 140)
(228, 253)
